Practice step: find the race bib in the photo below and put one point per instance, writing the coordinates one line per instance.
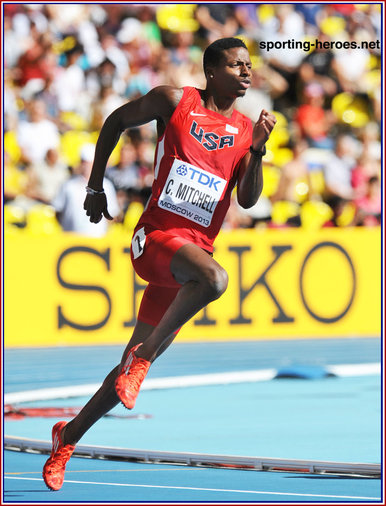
(192, 192)
(138, 243)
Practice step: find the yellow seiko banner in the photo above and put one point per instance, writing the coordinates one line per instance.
(64, 289)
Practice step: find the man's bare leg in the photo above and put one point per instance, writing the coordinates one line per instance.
(105, 398)
(203, 280)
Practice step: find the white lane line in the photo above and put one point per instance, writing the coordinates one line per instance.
(148, 384)
(225, 378)
(198, 489)
(348, 370)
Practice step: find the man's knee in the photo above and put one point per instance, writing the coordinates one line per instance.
(216, 282)
(191, 263)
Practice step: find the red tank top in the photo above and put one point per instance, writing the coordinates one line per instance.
(195, 170)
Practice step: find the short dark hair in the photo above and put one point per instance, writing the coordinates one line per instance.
(213, 52)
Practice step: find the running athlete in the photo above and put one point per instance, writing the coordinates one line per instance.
(205, 148)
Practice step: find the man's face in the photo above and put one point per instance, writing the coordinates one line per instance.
(232, 75)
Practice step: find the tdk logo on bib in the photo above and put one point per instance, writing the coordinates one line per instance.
(200, 176)
(192, 192)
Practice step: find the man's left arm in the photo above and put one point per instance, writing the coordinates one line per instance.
(250, 179)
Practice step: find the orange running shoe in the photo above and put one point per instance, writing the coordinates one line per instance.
(53, 470)
(129, 380)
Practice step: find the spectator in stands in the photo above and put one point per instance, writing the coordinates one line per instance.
(338, 167)
(317, 67)
(369, 206)
(36, 134)
(313, 120)
(70, 80)
(216, 20)
(106, 75)
(184, 58)
(108, 101)
(292, 173)
(10, 103)
(370, 139)
(35, 63)
(339, 208)
(126, 174)
(350, 66)
(312, 14)
(135, 44)
(71, 196)
(46, 178)
(12, 48)
(246, 15)
(47, 94)
(183, 50)
(287, 25)
(114, 54)
(15, 180)
(366, 168)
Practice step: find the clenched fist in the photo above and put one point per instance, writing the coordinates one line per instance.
(96, 207)
(262, 129)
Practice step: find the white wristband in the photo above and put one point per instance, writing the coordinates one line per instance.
(91, 191)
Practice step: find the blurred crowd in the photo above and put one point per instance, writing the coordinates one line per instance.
(68, 66)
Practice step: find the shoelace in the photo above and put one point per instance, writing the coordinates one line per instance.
(61, 459)
(137, 375)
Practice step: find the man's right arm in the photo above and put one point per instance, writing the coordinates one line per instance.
(159, 104)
